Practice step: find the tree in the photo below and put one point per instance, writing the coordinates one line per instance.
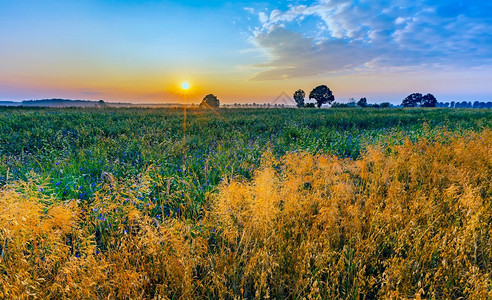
(412, 100)
(362, 102)
(428, 101)
(385, 105)
(101, 103)
(299, 97)
(210, 101)
(322, 94)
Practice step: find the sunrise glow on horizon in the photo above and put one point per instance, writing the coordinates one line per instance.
(139, 51)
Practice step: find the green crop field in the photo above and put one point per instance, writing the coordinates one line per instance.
(135, 203)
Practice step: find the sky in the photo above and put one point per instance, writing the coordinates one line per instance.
(141, 51)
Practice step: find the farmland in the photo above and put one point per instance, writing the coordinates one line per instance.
(245, 203)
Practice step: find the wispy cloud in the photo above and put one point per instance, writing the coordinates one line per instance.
(354, 35)
(294, 55)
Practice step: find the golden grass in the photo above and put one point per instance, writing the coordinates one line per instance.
(410, 221)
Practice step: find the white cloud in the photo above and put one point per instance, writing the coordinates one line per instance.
(250, 10)
(400, 20)
(294, 55)
(263, 17)
(354, 34)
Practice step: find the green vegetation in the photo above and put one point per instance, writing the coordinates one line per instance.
(73, 147)
(120, 203)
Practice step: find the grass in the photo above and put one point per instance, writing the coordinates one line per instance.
(283, 203)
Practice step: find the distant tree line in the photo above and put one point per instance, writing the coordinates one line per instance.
(465, 104)
(323, 95)
(281, 105)
(361, 103)
(417, 100)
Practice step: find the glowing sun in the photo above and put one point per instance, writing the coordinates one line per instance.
(185, 85)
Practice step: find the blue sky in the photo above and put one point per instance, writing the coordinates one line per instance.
(140, 51)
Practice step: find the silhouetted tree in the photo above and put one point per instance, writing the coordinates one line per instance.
(362, 102)
(210, 101)
(299, 97)
(101, 103)
(412, 100)
(385, 105)
(428, 101)
(322, 94)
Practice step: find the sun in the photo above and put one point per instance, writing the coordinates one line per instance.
(185, 85)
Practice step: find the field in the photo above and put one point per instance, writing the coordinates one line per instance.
(245, 203)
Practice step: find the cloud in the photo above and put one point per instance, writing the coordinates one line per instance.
(364, 34)
(297, 56)
(399, 20)
(263, 17)
(250, 10)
